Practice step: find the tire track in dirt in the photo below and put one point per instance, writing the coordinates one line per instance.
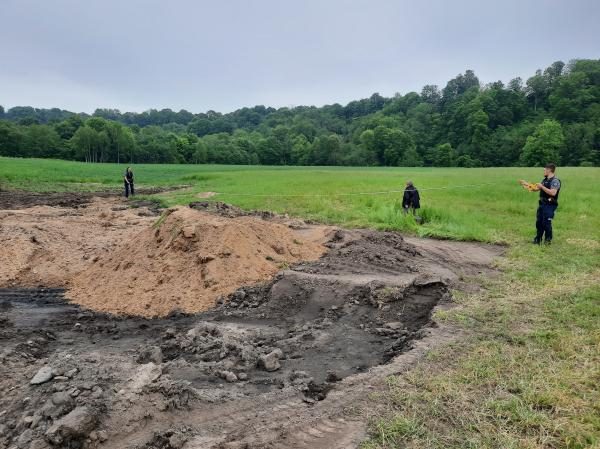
(338, 422)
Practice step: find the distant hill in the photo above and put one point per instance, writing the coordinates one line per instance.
(554, 115)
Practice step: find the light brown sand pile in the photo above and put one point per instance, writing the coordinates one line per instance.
(46, 246)
(187, 261)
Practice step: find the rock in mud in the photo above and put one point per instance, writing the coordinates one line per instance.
(170, 439)
(102, 435)
(270, 361)
(177, 441)
(300, 378)
(87, 385)
(145, 375)
(97, 392)
(74, 426)
(332, 376)
(60, 403)
(177, 394)
(24, 439)
(384, 331)
(43, 375)
(228, 376)
(61, 398)
(39, 444)
(150, 354)
(189, 232)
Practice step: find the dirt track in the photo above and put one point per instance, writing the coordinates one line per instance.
(285, 363)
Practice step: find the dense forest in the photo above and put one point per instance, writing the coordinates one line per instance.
(552, 116)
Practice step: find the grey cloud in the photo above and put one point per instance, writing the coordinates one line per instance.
(200, 55)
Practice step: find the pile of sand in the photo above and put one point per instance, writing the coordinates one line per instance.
(187, 260)
(46, 246)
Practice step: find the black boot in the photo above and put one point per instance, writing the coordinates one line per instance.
(536, 241)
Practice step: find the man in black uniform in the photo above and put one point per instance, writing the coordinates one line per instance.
(549, 190)
(411, 199)
(128, 179)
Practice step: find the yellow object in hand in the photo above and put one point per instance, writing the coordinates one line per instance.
(529, 186)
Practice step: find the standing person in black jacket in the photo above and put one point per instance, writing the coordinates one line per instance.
(549, 189)
(411, 199)
(128, 180)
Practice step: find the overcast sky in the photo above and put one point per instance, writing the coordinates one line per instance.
(222, 55)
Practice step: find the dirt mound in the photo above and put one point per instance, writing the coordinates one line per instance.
(187, 260)
(310, 344)
(47, 245)
(275, 361)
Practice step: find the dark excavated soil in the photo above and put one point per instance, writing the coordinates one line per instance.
(157, 383)
(16, 199)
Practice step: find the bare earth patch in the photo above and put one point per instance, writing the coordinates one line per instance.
(294, 325)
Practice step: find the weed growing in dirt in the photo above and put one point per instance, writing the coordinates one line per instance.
(158, 223)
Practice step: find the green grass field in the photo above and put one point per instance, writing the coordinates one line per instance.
(526, 375)
(496, 210)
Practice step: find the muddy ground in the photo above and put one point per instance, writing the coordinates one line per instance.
(286, 363)
(10, 199)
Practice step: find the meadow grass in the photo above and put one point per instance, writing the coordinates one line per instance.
(496, 210)
(526, 375)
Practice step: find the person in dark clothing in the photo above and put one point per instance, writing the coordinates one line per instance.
(549, 190)
(128, 180)
(411, 199)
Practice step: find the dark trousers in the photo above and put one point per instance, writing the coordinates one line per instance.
(545, 215)
(128, 187)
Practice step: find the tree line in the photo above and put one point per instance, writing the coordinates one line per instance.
(552, 116)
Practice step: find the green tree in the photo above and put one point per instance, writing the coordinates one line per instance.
(126, 144)
(484, 125)
(466, 161)
(200, 155)
(388, 144)
(544, 145)
(399, 142)
(154, 144)
(67, 128)
(411, 158)
(301, 150)
(367, 141)
(282, 142)
(477, 128)
(516, 84)
(42, 141)
(84, 142)
(537, 89)
(431, 94)
(326, 150)
(11, 139)
(443, 155)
